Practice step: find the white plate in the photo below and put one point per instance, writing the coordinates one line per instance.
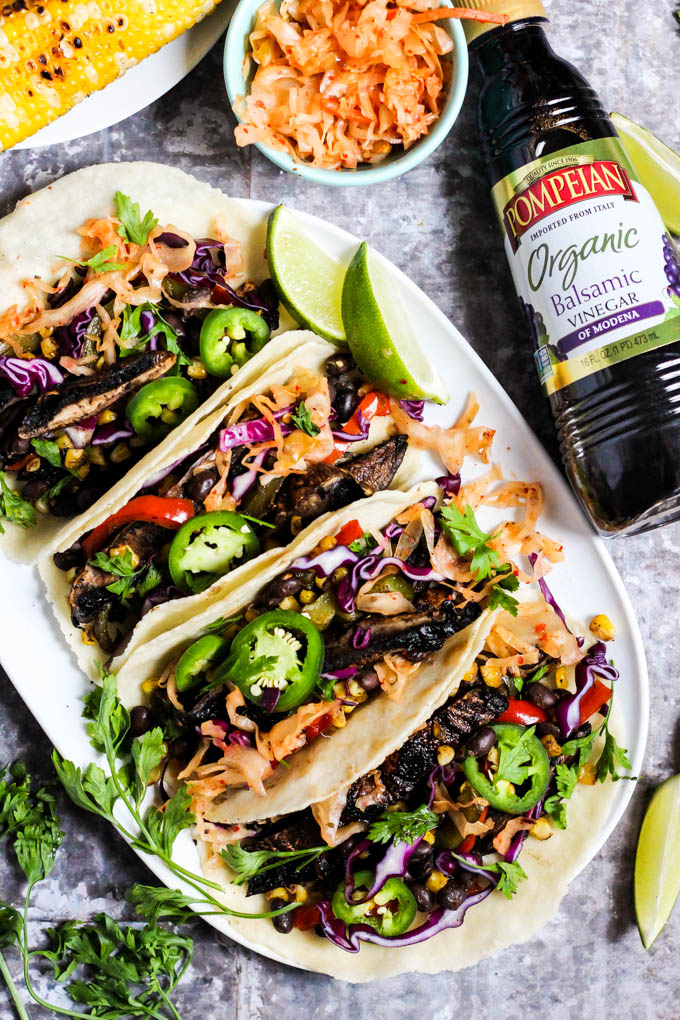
(43, 671)
(139, 86)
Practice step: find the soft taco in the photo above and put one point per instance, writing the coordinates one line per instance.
(301, 436)
(132, 294)
(413, 863)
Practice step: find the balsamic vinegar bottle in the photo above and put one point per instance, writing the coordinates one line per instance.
(597, 274)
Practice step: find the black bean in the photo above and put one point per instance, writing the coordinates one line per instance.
(423, 897)
(451, 896)
(338, 363)
(481, 742)
(422, 851)
(279, 589)
(547, 729)
(71, 557)
(282, 922)
(35, 489)
(200, 485)
(18, 446)
(582, 731)
(368, 680)
(345, 403)
(423, 868)
(540, 695)
(180, 748)
(141, 720)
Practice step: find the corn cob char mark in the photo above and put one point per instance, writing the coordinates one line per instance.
(56, 52)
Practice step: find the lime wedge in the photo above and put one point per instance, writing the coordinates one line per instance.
(308, 279)
(380, 334)
(657, 862)
(657, 165)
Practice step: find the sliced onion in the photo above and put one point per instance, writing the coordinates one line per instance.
(111, 433)
(242, 483)
(82, 433)
(326, 562)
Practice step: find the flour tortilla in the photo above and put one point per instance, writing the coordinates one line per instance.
(43, 226)
(493, 925)
(299, 348)
(151, 657)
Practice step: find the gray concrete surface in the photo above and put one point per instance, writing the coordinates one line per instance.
(435, 223)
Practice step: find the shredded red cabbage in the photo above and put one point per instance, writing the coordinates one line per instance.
(449, 484)
(29, 374)
(111, 433)
(270, 698)
(568, 712)
(353, 437)
(517, 843)
(259, 430)
(393, 864)
(157, 598)
(349, 937)
(361, 637)
(393, 530)
(413, 408)
(324, 563)
(72, 337)
(340, 674)
(245, 481)
(240, 738)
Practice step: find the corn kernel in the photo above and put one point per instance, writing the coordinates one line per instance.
(445, 754)
(88, 639)
(587, 775)
(356, 691)
(471, 674)
(347, 709)
(339, 718)
(505, 788)
(196, 370)
(429, 838)
(101, 362)
(339, 689)
(436, 881)
(295, 524)
(106, 417)
(150, 685)
(73, 458)
(603, 628)
(306, 596)
(541, 829)
(278, 894)
(96, 455)
(298, 892)
(436, 730)
(120, 453)
(83, 470)
(250, 615)
(290, 602)
(561, 678)
(168, 416)
(46, 332)
(339, 574)
(123, 550)
(71, 575)
(320, 581)
(49, 347)
(550, 744)
(42, 505)
(329, 542)
(33, 464)
(399, 806)
(491, 674)
(136, 441)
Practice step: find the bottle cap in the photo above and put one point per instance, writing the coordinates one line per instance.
(516, 10)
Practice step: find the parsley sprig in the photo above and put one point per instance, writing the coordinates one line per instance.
(247, 863)
(511, 874)
(403, 826)
(102, 262)
(302, 419)
(15, 509)
(132, 581)
(467, 538)
(133, 226)
(131, 329)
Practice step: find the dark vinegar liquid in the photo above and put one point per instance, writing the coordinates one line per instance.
(619, 428)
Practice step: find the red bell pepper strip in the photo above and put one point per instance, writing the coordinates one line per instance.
(467, 844)
(306, 917)
(594, 699)
(350, 532)
(522, 712)
(373, 405)
(314, 729)
(163, 510)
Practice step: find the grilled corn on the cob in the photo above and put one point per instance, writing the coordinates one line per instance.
(56, 52)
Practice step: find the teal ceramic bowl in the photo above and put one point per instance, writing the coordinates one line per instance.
(235, 50)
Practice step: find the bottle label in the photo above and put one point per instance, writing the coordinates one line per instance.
(596, 272)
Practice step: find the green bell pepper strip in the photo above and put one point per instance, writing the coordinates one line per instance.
(204, 654)
(208, 546)
(280, 649)
(160, 406)
(391, 921)
(494, 789)
(230, 337)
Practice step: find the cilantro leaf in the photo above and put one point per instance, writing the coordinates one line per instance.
(302, 419)
(58, 486)
(499, 596)
(363, 544)
(557, 809)
(467, 537)
(155, 902)
(102, 262)
(403, 826)
(48, 450)
(514, 763)
(519, 681)
(133, 227)
(133, 580)
(613, 756)
(221, 624)
(15, 509)
(583, 745)
(511, 874)
(247, 863)
(566, 778)
(326, 688)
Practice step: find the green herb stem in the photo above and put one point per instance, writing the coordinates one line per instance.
(12, 989)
